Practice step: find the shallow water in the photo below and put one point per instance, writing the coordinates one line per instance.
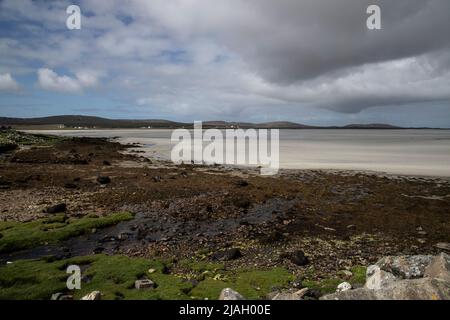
(409, 152)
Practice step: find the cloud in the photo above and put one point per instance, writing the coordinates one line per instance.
(204, 58)
(50, 80)
(7, 83)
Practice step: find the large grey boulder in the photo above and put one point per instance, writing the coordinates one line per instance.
(379, 279)
(439, 268)
(415, 289)
(403, 278)
(405, 267)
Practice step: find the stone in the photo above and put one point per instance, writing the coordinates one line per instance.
(439, 268)
(371, 270)
(443, 246)
(227, 255)
(70, 185)
(151, 270)
(230, 294)
(144, 284)
(405, 267)
(408, 289)
(242, 183)
(379, 279)
(60, 207)
(344, 286)
(106, 163)
(288, 295)
(346, 274)
(94, 295)
(56, 296)
(103, 179)
(298, 257)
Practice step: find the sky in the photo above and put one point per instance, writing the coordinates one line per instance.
(309, 61)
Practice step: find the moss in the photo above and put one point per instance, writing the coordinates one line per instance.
(22, 235)
(359, 275)
(200, 266)
(252, 284)
(329, 285)
(113, 276)
(324, 286)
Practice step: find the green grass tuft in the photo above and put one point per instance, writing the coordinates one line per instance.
(22, 235)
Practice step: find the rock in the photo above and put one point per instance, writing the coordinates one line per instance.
(242, 183)
(408, 289)
(405, 267)
(106, 163)
(344, 286)
(151, 270)
(66, 297)
(298, 257)
(156, 178)
(351, 227)
(443, 246)
(144, 284)
(56, 296)
(346, 274)
(297, 295)
(227, 255)
(103, 179)
(379, 279)
(94, 295)
(230, 294)
(439, 268)
(61, 207)
(70, 185)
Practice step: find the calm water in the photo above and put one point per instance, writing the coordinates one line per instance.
(414, 152)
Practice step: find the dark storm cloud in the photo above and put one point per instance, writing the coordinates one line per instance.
(217, 58)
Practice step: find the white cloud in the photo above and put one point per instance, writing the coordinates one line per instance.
(50, 80)
(7, 83)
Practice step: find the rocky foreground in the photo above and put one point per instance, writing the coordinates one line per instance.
(194, 230)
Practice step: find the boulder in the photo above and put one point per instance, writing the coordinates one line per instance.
(405, 267)
(409, 289)
(61, 207)
(230, 294)
(297, 257)
(379, 279)
(439, 268)
(94, 295)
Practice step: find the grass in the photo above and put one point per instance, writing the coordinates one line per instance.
(114, 277)
(252, 284)
(22, 235)
(329, 285)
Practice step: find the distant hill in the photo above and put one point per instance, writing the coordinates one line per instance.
(80, 121)
(73, 121)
